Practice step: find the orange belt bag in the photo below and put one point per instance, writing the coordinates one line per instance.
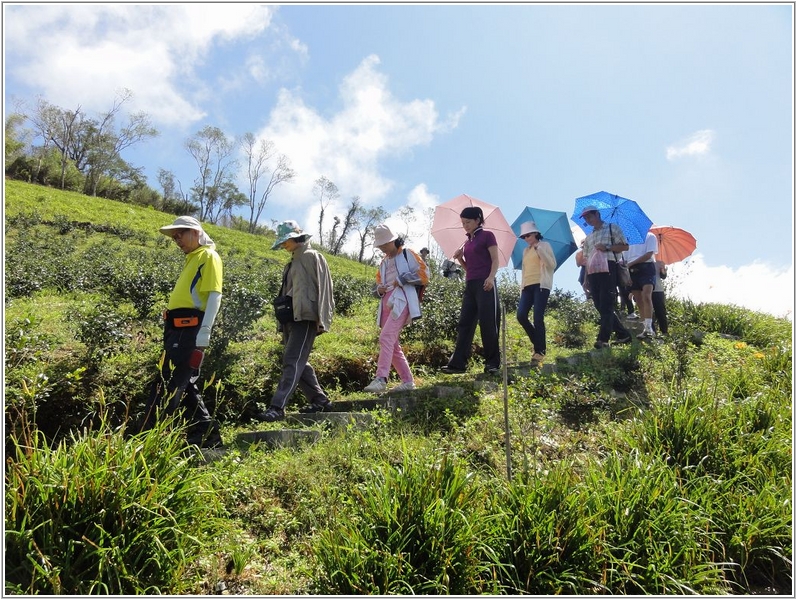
(186, 321)
(182, 317)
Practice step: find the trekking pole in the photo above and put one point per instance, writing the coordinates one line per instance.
(506, 397)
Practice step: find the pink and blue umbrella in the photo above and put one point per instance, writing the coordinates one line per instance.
(555, 229)
(623, 212)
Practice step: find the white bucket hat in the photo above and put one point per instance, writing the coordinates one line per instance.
(527, 228)
(186, 222)
(383, 235)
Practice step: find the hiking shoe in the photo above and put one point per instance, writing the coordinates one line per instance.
(376, 386)
(271, 415)
(633, 316)
(317, 407)
(492, 370)
(449, 370)
(646, 333)
(623, 340)
(537, 359)
(404, 387)
(599, 344)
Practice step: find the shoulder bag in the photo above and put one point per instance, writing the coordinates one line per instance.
(623, 275)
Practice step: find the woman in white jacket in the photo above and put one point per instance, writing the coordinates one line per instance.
(401, 274)
(539, 264)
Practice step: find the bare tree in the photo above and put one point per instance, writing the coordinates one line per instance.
(212, 152)
(326, 192)
(350, 222)
(368, 221)
(258, 157)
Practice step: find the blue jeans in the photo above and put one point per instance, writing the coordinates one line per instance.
(533, 296)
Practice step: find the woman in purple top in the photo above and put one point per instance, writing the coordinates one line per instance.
(479, 258)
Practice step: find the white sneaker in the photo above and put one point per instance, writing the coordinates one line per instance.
(404, 387)
(632, 316)
(376, 386)
(646, 333)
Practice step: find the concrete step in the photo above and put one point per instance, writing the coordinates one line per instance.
(280, 438)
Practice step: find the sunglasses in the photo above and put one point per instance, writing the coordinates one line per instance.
(179, 233)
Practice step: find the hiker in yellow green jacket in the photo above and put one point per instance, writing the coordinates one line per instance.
(188, 322)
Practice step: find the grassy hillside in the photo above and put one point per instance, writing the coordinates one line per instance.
(653, 468)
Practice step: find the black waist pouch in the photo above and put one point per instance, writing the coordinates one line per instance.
(283, 309)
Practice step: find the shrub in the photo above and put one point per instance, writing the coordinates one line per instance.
(349, 291)
(440, 313)
(103, 329)
(572, 315)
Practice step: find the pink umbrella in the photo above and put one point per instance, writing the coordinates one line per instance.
(449, 235)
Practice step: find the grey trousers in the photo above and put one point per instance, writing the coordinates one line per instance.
(296, 371)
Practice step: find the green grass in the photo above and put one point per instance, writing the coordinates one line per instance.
(651, 469)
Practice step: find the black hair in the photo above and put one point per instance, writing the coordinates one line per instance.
(473, 212)
(399, 241)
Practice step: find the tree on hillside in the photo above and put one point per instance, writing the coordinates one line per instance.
(15, 137)
(368, 221)
(226, 197)
(174, 200)
(212, 150)
(349, 222)
(58, 127)
(408, 217)
(326, 191)
(104, 144)
(258, 157)
(92, 145)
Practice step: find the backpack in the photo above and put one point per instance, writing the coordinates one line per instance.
(421, 289)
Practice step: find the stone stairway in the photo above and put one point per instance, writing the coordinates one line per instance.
(303, 428)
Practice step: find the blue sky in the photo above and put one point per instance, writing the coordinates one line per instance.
(686, 109)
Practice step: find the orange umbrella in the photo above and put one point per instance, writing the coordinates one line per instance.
(449, 235)
(675, 244)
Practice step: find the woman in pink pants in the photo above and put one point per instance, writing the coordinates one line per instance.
(401, 274)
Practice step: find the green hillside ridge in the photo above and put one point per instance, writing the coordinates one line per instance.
(662, 467)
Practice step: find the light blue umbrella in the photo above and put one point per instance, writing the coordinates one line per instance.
(625, 213)
(555, 229)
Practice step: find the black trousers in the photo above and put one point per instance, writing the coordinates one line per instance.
(478, 308)
(603, 288)
(175, 388)
(660, 313)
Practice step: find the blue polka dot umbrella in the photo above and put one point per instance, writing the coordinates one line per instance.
(623, 212)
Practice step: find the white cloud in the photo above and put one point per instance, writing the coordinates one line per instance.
(349, 146)
(697, 144)
(152, 50)
(757, 286)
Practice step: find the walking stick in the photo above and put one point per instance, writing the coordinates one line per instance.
(506, 398)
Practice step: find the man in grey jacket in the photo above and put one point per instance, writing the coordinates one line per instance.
(307, 281)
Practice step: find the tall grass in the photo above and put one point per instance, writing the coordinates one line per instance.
(101, 514)
(420, 529)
